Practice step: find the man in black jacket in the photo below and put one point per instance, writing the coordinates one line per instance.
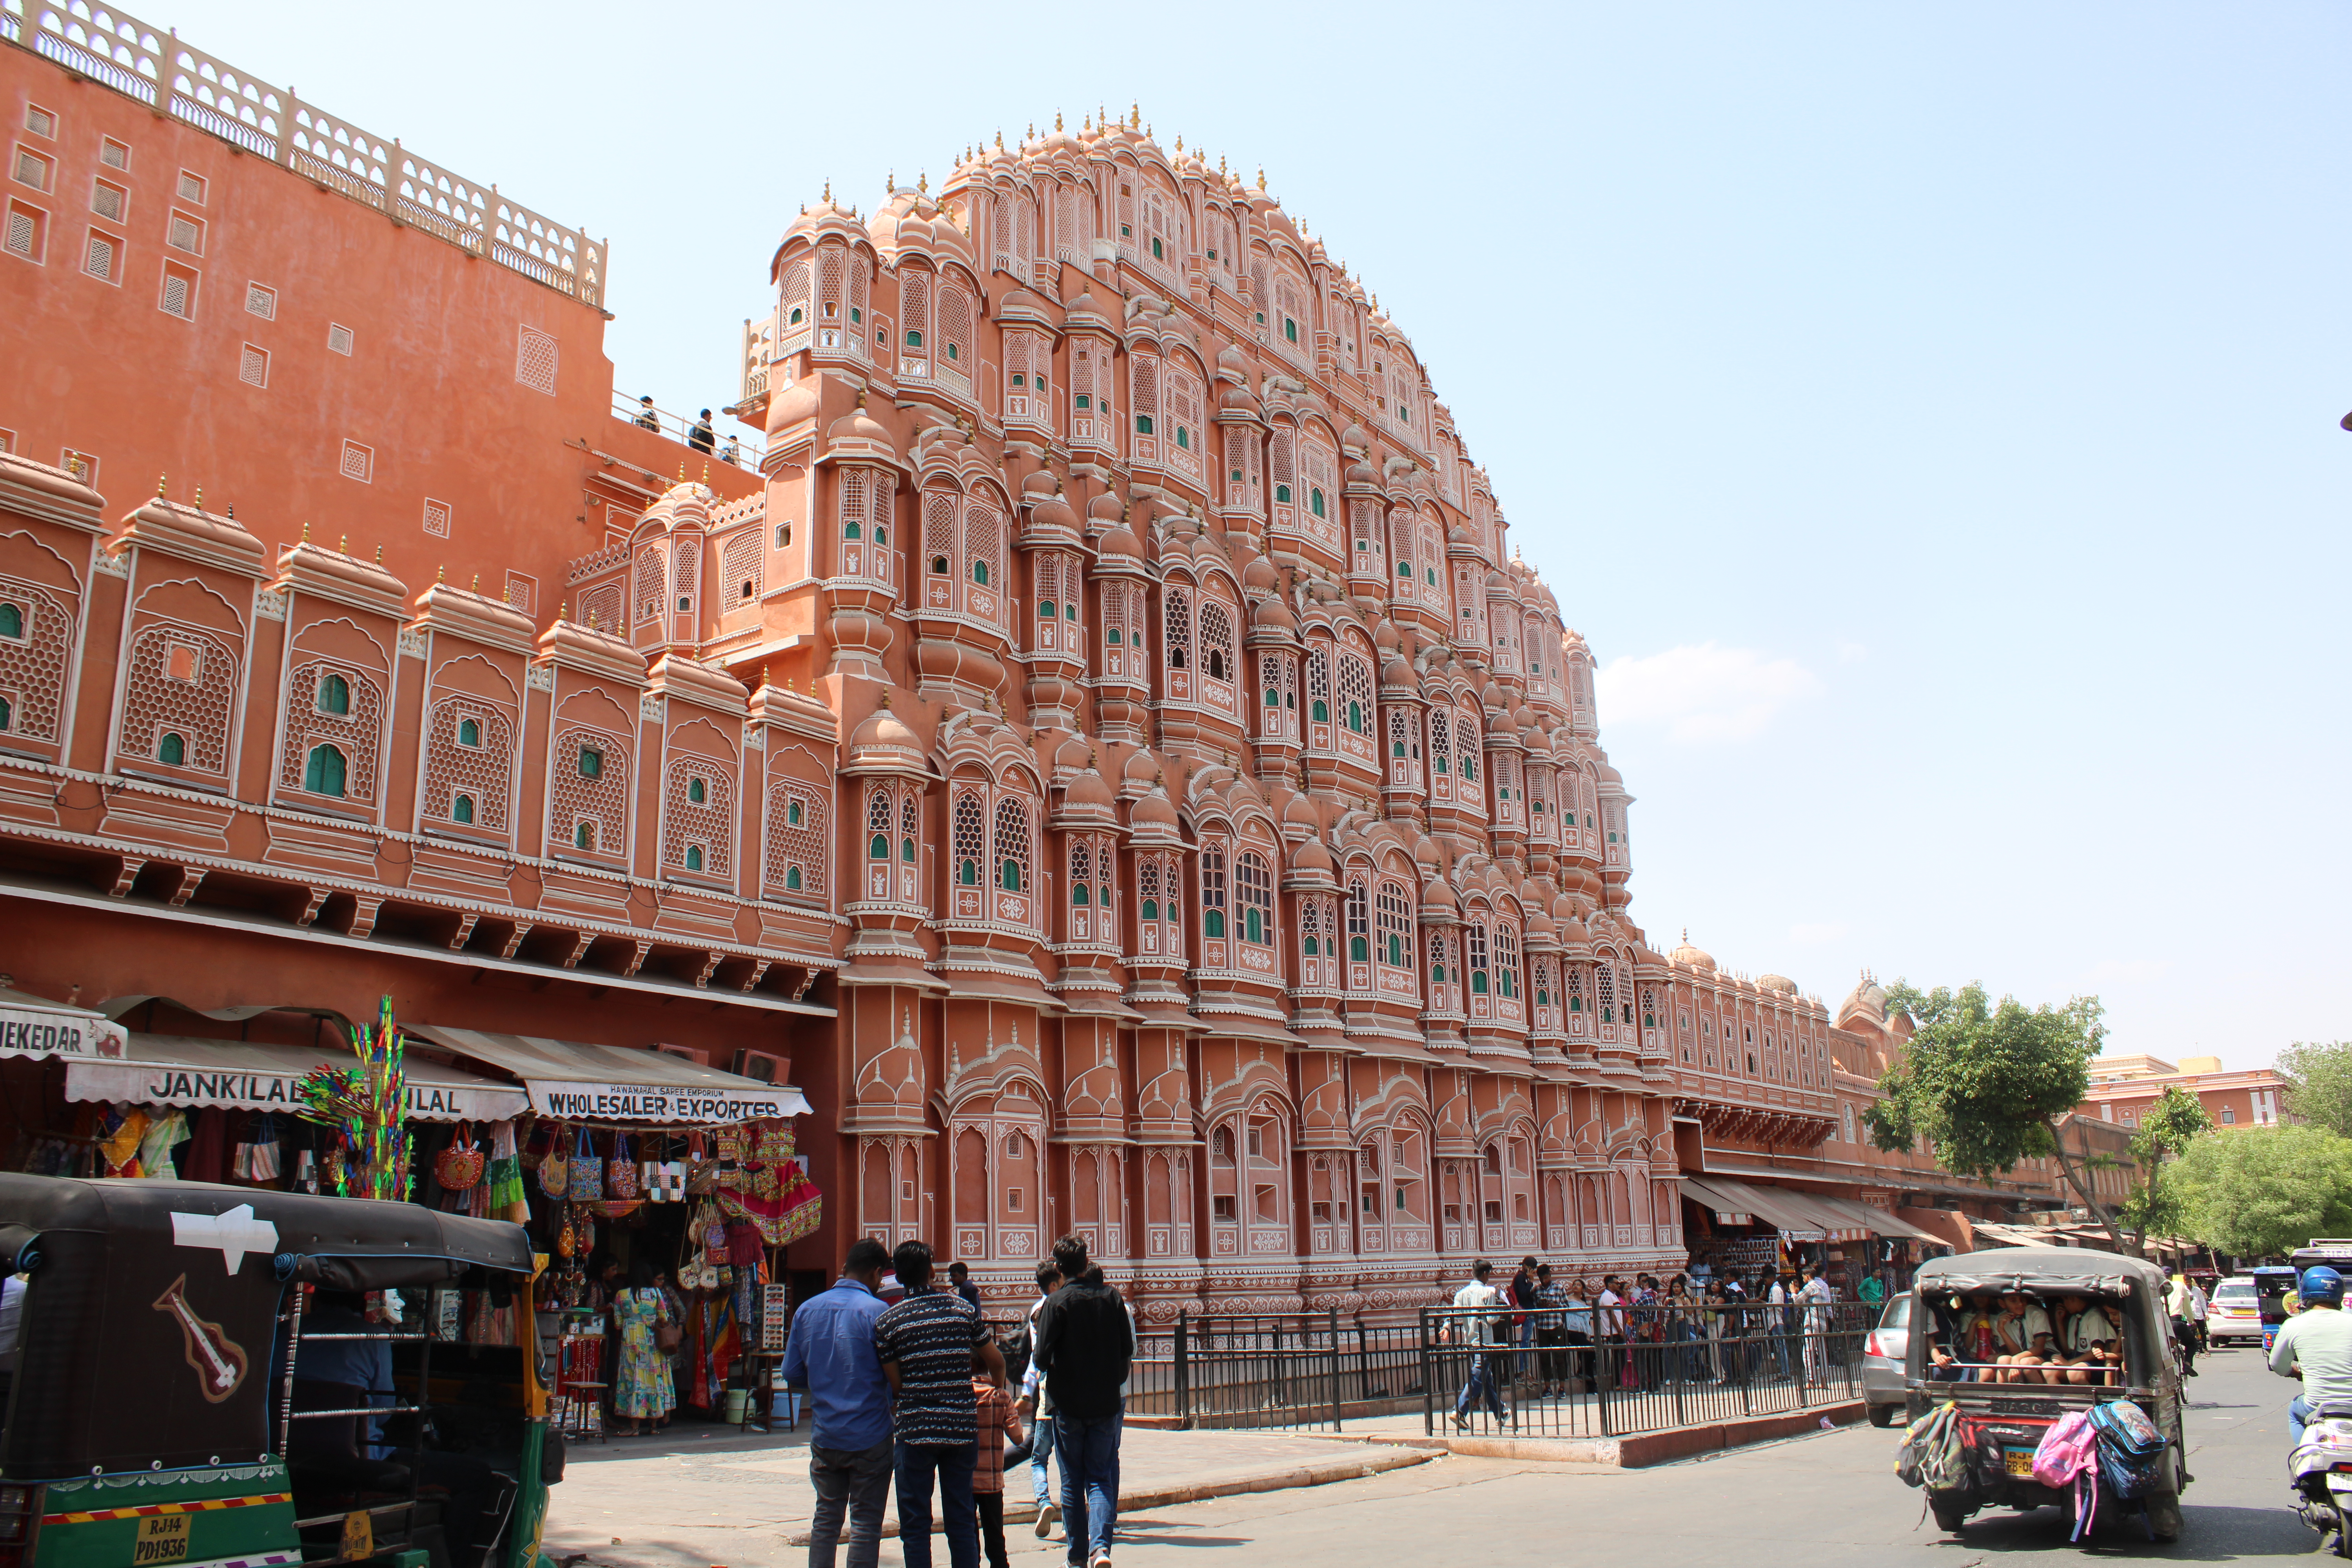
(1086, 1342)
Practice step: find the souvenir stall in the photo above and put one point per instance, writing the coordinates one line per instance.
(39, 1037)
(646, 1164)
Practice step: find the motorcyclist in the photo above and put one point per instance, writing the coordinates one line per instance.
(2316, 1343)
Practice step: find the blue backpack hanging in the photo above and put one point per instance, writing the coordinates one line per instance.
(2131, 1450)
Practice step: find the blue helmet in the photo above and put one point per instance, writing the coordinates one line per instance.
(2323, 1284)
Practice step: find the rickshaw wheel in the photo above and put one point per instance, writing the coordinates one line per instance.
(1949, 1517)
(2163, 1516)
(1883, 1415)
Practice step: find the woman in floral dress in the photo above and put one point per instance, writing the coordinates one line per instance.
(642, 1390)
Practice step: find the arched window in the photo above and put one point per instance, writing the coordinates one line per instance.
(1507, 959)
(1318, 686)
(696, 792)
(323, 773)
(792, 878)
(1216, 641)
(1178, 614)
(583, 836)
(1436, 965)
(878, 823)
(1256, 884)
(906, 818)
(335, 696)
(694, 857)
(1012, 847)
(1213, 891)
(1147, 886)
(1396, 922)
(1477, 958)
(461, 809)
(980, 572)
(793, 815)
(173, 749)
(1315, 500)
(1441, 741)
(1605, 992)
(969, 827)
(470, 733)
(12, 621)
(591, 762)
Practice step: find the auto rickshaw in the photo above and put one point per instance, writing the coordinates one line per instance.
(168, 1410)
(2002, 1422)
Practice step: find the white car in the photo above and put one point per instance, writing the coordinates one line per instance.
(2233, 1313)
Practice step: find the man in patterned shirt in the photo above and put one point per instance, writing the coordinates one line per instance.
(926, 1345)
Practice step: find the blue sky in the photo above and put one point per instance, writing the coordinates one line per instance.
(1927, 414)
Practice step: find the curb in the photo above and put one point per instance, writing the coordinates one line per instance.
(1167, 1497)
(1633, 1452)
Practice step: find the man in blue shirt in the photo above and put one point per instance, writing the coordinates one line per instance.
(831, 1353)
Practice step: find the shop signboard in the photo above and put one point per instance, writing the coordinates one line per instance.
(675, 1105)
(37, 1032)
(241, 1087)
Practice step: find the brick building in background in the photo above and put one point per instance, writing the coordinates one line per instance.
(1100, 744)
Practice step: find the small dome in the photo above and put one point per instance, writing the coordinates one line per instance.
(1311, 855)
(882, 728)
(1780, 983)
(1259, 576)
(1087, 789)
(1691, 957)
(1436, 895)
(794, 404)
(1273, 615)
(1386, 638)
(1119, 540)
(1154, 810)
(1140, 768)
(1299, 812)
(859, 427)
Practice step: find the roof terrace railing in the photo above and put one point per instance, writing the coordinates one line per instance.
(170, 76)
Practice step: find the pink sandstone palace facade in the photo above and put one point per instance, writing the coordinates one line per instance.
(1101, 747)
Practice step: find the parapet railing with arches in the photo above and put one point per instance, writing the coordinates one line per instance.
(170, 76)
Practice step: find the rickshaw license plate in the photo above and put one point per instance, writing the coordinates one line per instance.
(2018, 1462)
(163, 1537)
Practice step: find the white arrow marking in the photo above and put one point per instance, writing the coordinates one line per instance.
(235, 1233)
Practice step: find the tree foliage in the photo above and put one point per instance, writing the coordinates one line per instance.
(2260, 1190)
(2318, 1088)
(1985, 1083)
(2170, 1125)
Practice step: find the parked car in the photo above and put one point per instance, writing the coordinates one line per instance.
(1883, 1352)
(2233, 1313)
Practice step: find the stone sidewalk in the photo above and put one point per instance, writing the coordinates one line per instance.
(710, 1497)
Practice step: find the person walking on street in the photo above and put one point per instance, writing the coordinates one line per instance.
(1871, 1292)
(831, 1353)
(927, 1344)
(1608, 1321)
(2176, 1302)
(1086, 1341)
(1523, 1297)
(1775, 1325)
(2197, 1311)
(1478, 1331)
(1551, 1333)
(1000, 1423)
(1037, 1408)
(1817, 1296)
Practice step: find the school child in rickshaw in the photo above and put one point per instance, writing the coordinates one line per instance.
(2024, 1335)
(2087, 1336)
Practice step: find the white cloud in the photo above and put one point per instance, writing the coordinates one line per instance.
(1702, 694)
(1822, 932)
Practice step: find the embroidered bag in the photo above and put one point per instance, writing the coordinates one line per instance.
(621, 1174)
(731, 1144)
(459, 1166)
(554, 1180)
(672, 1181)
(587, 1171)
(701, 1169)
(773, 1143)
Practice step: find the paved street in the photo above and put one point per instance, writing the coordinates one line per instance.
(1810, 1501)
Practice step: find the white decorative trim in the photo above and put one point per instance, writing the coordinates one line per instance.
(540, 677)
(270, 603)
(653, 710)
(755, 738)
(412, 643)
(115, 563)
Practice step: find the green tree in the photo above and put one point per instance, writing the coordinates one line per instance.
(2167, 1128)
(1987, 1084)
(2266, 1190)
(2318, 1086)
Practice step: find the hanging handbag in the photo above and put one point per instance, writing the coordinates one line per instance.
(621, 1172)
(587, 1171)
(459, 1166)
(554, 1177)
(701, 1169)
(731, 1144)
(772, 1141)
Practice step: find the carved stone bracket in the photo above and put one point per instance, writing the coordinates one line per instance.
(520, 929)
(808, 978)
(711, 962)
(124, 875)
(579, 948)
(363, 914)
(637, 958)
(191, 879)
(759, 973)
(315, 898)
(465, 929)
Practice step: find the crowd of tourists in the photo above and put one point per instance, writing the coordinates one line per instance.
(1545, 1336)
(916, 1393)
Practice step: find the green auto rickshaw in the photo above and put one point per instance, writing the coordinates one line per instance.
(209, 1377)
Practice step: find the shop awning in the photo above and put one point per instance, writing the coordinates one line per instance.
(583, 1082)
(1725, 1206)
(244, 1074)
(33, 1028)
(1775, 1206)
(1880, 1223)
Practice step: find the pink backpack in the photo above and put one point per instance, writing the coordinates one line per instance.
(2068, 1458)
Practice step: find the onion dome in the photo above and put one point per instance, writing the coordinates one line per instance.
(1048, 507)
(1119, 540)
(1258, 577)
(1083, 312)
(1540, 927)
(1386, 638)
(1780, 983)
(1437, 900)
(1397, 675)
(1240, 403)
(1141, 772)
(1019, 306)
(1154, 810)
(1273, 615)
(858, 434)
(1457, 534)
(1425, 857)
(884, 741)
(1298, 814)
(793, 405)
(1691, 957)
(1355, 438)
(1312, 858)
(1073, 753)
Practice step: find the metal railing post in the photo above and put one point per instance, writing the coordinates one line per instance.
(1183, 1384)
(1332, 1320)
(1428, 1382)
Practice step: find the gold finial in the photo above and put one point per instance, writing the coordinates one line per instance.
(764, 675)
(476, 586)
(790, 685)
(1134, 114)
(306, 532)
(200, 498)
(441, 573)
(681, 471)
(160, 479)
(379, 554)
(890, 181)
(1261, 176)
(828, 191)
(1057, 120)
(343, 544)
(922, 184)
(1000, 141)
(1221, 162)
(706, 471)
(1179, 140)
(886, 700)
(861, 400)
(507, 597)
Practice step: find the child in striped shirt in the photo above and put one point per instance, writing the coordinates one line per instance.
(999, 1423)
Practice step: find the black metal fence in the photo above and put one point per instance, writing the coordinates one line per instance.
(1291, 1370)
(1604, 1374)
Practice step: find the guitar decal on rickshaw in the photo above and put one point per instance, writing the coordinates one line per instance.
(220, 1362)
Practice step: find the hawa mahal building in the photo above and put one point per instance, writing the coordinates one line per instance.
(1090, 733)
